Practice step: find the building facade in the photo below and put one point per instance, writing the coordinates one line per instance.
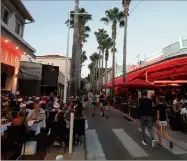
(56, 60)
(40, 78)
(14, 17)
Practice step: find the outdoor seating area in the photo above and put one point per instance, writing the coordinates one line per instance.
(50, 126)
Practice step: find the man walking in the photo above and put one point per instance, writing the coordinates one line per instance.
(145, 105)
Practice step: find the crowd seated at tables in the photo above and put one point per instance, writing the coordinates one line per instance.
(177, 108)
(28, 111)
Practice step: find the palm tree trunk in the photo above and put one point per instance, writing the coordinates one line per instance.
(99, 67)
(102, 68)
(96, 73)
(125, 49)
(113, 68)
(105, 75)
(74, 52)
(113, 59)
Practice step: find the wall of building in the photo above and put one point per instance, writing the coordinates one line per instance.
(61, 62)
(12, 43)
(14, 16)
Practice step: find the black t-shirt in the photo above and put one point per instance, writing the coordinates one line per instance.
(162, 110)
(101, 98)
(145, 107)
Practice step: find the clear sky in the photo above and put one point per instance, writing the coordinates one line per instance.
(152, 26)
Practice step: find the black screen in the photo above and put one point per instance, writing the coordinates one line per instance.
(50, 75)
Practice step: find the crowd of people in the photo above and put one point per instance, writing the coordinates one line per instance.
(19, 110)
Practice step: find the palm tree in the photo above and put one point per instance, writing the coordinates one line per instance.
(82, 34)
(125, 4)
(95, 58)
(92, 73)
(107, 43)
(100, 35)
(113, 16)
(73, 89)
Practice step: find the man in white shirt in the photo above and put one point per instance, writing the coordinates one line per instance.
(37, 113)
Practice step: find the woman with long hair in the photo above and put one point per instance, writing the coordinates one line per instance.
(161, 122)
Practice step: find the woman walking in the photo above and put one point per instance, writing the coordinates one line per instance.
(161, 122)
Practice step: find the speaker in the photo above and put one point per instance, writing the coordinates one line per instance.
(50, 75)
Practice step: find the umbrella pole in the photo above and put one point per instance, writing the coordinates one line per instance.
(138, 97)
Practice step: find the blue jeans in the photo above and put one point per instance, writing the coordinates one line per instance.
(146, 121)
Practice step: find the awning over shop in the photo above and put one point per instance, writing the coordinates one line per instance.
(138, 83)
(167, 68)
(169, 73)
(117, 81)
(27, 75)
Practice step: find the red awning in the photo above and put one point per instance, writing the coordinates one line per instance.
(135, 75)
(153, 69)
(139, 83)
(178, 70)
(117, 81)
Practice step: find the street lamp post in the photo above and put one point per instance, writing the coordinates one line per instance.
(67, 54)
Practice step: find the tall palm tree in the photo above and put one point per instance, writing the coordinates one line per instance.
(95, 58)
(82, 33)
(113, 16)
(73, 89)
(100, 35)
(108, 44)
(92, 73)
(125, 4)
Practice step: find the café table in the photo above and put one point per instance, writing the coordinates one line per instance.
(36, 126)
(31, 146)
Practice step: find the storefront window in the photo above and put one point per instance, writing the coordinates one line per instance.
(18, 27)
(5, 14)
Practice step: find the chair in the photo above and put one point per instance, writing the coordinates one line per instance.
(51, 116)
(16, 136)
(58, 129)
(79, 128)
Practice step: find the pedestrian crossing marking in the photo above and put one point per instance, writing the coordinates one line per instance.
(93, 146)
(176, 150)
(133, 148)
(180, 143)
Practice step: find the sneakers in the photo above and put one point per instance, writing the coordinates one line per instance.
(171, 145)
(143, 142)
(153, 143)
(56, 143)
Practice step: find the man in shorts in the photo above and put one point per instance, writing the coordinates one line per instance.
(101, 102)
(94, 103)
(105, 105)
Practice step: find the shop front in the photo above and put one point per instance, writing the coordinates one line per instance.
(10, 62)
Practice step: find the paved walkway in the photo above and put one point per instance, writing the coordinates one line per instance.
(119, 138)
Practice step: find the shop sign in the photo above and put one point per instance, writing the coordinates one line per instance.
(9, 57)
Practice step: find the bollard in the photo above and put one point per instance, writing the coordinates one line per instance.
(71, 132)
(59, 157)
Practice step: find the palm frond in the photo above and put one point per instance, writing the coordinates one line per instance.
(121, 23)
(105, 20)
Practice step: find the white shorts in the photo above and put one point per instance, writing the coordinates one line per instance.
(163, 123)
(106, 108)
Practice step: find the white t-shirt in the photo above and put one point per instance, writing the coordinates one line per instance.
(37, 115)
(183, 111)
(174, 102)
